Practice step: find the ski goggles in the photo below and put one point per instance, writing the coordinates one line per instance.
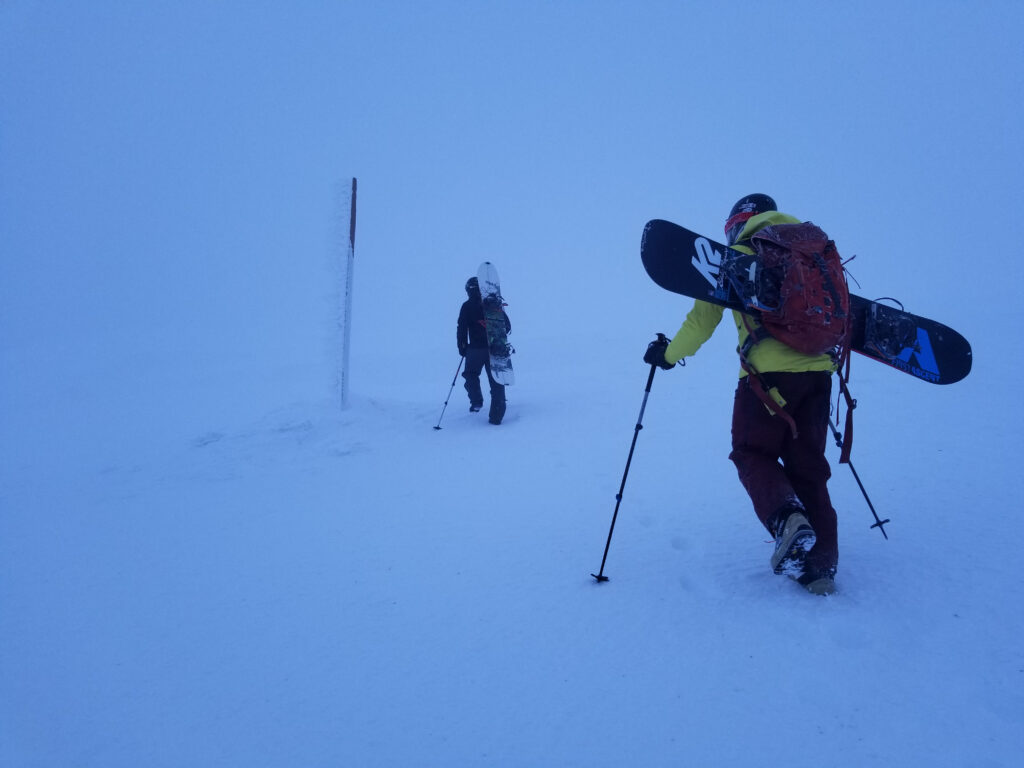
(734, 225)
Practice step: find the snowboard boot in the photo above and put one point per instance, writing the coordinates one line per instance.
(818, 582)
(497, 410)
(794, 538)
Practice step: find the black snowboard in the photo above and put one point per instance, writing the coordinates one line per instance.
(684, 262)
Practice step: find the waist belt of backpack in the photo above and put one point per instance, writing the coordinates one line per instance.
(754, 378)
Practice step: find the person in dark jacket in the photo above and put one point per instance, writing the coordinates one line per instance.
(471, 335)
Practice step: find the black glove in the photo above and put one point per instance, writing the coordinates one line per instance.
(655, 354)
(462, 350)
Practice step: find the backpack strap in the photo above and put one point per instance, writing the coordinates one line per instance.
(754, 336)
(756, 382)
(829, 285)
(851, 403)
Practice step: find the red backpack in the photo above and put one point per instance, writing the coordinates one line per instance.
(799, 288)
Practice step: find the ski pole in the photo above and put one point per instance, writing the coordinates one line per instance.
(618, 497)
(879, 524)
(454, 379)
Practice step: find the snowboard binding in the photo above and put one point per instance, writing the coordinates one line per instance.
(889, 331)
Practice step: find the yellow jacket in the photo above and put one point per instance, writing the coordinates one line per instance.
(765, 356)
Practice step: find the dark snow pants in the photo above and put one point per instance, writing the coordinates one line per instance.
(477, 360)
(777, 469)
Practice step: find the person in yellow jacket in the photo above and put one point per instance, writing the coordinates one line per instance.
(785, 476)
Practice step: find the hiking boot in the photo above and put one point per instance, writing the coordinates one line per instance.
(496, 412)
(818, 582)
(793, 539)
(475, 408)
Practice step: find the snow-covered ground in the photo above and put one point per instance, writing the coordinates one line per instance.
(204, 561)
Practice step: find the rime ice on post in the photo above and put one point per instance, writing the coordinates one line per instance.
(346, 320)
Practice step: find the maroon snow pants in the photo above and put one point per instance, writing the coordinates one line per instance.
(776, 468)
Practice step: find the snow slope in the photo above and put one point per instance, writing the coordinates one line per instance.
(204, 561)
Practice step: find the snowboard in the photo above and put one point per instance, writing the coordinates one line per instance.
(494, 316)
(684, 262)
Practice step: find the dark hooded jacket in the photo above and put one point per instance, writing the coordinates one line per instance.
(471, 332)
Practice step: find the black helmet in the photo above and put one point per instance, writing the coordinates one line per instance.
(472, 286)
(748, 206)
